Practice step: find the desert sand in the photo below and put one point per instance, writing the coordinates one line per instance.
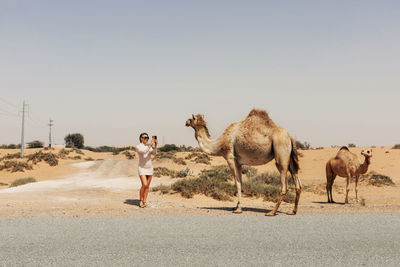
(106, 184)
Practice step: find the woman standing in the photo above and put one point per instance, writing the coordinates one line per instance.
(145, 165)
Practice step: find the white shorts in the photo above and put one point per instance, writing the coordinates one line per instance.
(145, 171)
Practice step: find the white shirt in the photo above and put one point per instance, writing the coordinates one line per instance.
(145, 152)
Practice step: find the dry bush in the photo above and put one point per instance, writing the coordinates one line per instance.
(63, 153)
(11, 156)
(129, 155)
(162, 171)
(249, 171)
(78, 151)
(396, 146)
(215, 183)
(169, 156)
(376, 179)
(39, 156)
(164, 155)
(75, 157)
(163, 189)
(89, 159)
(199, 158)
(179, 161)
(15, 166)
(23, 181)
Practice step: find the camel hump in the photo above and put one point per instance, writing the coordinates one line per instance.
(344, 148)
(260, 114)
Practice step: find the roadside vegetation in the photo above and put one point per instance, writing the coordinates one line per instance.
(376, 179)
(23, 181)
(217, 183)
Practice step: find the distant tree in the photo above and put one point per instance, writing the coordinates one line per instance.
(303, 146)
(35, 144)
(74, 140)
(169, 147)
(351, 145)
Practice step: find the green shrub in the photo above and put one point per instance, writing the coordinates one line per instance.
(10, 146)
(75, 140)
(114, 150)
(35, 144)
(169, 147)
(22, 181)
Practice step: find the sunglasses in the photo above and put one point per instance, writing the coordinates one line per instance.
(145, 137)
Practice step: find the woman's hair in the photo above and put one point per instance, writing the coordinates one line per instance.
(140, 137)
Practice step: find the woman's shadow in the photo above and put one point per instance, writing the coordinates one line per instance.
(134, 202)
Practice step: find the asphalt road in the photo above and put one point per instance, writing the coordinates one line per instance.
(202, 240)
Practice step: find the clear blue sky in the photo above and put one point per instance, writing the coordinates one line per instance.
(328, 71)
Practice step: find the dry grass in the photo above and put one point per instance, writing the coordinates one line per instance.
(22, 181)
(128, 155)
(169, 156)
(376, 179)
(217, 183)
(39, 156)
(162, 171)
(198, 157)
(15, 166)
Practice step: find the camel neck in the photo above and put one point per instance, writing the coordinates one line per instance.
(207, 145)
(364, 166)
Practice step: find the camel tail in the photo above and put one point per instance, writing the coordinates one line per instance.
(294, 159)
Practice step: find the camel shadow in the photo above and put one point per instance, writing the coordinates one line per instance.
(134, 202)
(324, 202)
(257, 210)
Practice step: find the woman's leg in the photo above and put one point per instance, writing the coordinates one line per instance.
(146, 188)
(143, 179)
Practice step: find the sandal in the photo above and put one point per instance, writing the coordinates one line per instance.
(141, 204)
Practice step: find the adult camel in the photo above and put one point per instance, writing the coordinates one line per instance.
(256, 140)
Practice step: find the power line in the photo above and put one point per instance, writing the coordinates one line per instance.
(9, 103)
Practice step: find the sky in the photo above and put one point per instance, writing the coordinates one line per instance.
(327, 71)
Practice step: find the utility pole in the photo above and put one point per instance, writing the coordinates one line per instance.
(50, 124)
(23, 127)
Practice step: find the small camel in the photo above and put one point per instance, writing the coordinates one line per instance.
(254, 141)
(345, 164)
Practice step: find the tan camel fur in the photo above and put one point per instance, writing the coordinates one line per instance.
(346, 165)
(254, 141)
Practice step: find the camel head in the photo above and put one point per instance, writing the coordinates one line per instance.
(196, 121)
(367, 153)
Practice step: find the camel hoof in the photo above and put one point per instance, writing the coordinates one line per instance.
(237, 210)
(270, 213)
(291, 212)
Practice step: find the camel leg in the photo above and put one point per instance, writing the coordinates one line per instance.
(297, 183)
(236, 171)
(330, 178)
(283, 172)
(346, 201)
(356, 189)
